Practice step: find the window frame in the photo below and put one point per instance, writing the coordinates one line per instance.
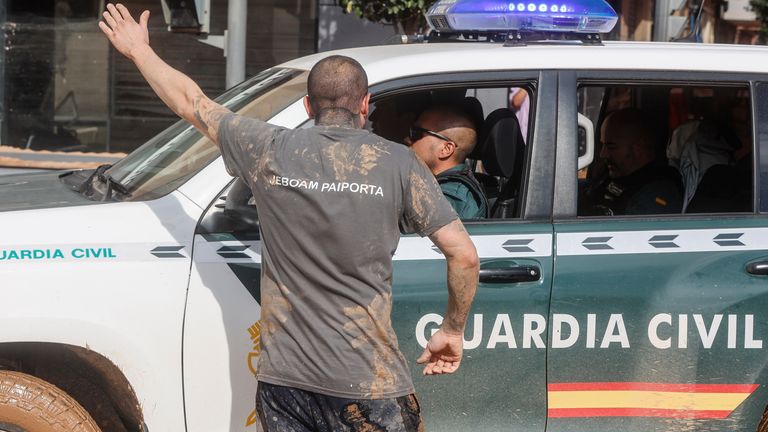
(566, 182)
(538, 178)
(760, 127)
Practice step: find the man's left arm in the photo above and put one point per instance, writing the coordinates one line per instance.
(444, 349)
(178, 91)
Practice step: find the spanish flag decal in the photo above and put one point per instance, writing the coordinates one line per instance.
(638, 399)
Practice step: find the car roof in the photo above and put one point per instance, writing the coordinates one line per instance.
(387, 62)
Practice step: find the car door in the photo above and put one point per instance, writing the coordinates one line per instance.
(221, 327)
(658, 321)
(501, 383)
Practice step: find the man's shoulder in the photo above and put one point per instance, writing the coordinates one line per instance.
(393, 147)
(661, 194)
(238, 120)
(236, 126)
(400, 153)
(457, 191)
(358, 146)
(352, 135)
(462, 199)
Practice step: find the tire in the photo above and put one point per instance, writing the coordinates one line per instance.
(763, 425)
(29, 404)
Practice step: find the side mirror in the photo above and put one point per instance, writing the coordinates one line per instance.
(234, 215)
(238, 205)
(586, 141)
(243, 215)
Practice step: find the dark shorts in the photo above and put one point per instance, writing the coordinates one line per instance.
(283, 409)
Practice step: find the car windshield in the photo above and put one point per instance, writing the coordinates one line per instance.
(168, 160)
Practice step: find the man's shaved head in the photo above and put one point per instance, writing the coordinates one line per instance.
(454, 124)
(337, 83)
(455, 139)
(628, 142)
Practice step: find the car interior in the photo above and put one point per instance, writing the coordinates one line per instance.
(703, 132)
(499, 157)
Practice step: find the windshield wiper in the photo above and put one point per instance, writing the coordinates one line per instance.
(112, 184)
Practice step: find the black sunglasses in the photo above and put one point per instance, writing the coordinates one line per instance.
(416, 133)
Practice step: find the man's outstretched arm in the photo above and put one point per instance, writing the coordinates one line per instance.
(444, 349)
(177, 90)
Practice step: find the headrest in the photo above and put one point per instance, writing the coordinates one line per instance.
(474, 109)
(500, 143)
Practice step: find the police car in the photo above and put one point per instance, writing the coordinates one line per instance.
(130, 293)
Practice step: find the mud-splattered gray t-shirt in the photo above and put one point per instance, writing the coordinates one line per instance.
(330, 201)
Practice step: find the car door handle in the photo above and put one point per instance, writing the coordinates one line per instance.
(759, 268)
(520, 273)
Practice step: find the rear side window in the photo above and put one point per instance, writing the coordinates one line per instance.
(762, 130)
(665, 149)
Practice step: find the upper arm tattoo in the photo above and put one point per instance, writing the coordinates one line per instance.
(451, 229)
(450, 236)
(208, 115)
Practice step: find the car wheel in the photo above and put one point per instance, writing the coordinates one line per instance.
(29, 404)
(763, 425)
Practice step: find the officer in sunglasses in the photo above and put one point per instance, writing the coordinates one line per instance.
(443, 137)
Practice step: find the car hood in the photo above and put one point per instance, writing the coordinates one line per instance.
(36, 191)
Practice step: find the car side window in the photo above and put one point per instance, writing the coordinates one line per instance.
(502, 121)
(665, 149)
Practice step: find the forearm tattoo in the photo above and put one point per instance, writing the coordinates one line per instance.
(208, 115)
(462, 284)
(461, 290)
(196, 104)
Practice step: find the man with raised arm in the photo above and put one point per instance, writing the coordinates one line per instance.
(330, 201)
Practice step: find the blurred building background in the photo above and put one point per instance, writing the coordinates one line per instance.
(63, 89)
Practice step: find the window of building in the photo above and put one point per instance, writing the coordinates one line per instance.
(55, 76)
(64, 89)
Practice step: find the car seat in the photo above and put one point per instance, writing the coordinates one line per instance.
(723, 189)
(707, 147)
(501, 149)
(474, 109)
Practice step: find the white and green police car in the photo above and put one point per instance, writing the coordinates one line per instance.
(130, 294)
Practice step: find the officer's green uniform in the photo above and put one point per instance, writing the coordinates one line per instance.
(649, 190)
(464, 192)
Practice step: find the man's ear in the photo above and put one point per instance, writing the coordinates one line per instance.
(308, 108)
(447, 150)
(364, 106)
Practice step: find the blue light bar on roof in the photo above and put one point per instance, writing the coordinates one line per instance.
(574, 16)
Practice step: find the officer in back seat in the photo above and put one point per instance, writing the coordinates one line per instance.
(443, 137)
(636, 184)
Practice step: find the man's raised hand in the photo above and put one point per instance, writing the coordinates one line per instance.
(125, 34)
(177, 90)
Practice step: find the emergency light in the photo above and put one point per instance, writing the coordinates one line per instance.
(566, 16)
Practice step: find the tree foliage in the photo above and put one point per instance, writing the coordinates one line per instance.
(761, 10)
(406, 15)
